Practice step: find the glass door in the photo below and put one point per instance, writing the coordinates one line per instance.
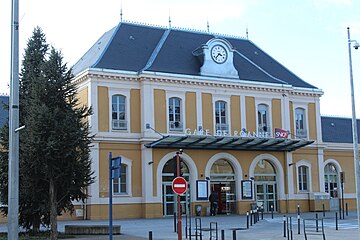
(266, 195)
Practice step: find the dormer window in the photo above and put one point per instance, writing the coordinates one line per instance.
(300, 124)
(221, 117)
(175, 123)
(263, 120)
(119, 112)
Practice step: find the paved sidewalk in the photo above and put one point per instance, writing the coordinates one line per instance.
(267, 229)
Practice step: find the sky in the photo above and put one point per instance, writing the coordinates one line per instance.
(309, 37)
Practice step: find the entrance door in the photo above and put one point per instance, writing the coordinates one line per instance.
(226, 196)
(170, 200)
(266, 195)
(332, 186)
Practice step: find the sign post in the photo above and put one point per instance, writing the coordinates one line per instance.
(114, 172)
(179, 186)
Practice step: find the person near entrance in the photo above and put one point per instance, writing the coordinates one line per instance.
(214, 201)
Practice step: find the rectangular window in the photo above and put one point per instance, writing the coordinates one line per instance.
(220, 116)
(120, 184)
(175, 123)
(118, 114)
(300, 123)
(303, 178)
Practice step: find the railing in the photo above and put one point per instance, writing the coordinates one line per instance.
(301, 133)
(175, 126)
(119, 124)
(264, 133)
(222, 127)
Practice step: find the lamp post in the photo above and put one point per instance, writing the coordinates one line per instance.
(13, 198)
(354, 129)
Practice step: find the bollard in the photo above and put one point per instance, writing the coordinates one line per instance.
(272, 212)
(298, 209)
(336, 221)
(247, 220)
(317, 223)
(298, 216)
(222, 234)
(287, 228)
(234, 234)
(284, 219)
(291, 231)
(150, 235)
(175, 222)
(262, 213)
(255, 216)
(323, 210)
(190, 233)
(250, 217)
(347, 213)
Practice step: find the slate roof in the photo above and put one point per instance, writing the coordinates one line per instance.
(138, 48)
(338, 129)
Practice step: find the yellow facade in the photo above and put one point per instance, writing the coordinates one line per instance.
(148, 166)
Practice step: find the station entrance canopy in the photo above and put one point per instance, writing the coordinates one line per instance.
(229, 143)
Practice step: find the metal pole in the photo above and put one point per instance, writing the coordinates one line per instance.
(342, 200)
(110, 198)
(179, 228)
(284, 219)
(355, 136)
(13, 196)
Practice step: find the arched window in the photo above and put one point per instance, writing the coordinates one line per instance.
(331, 180)
(303, 178)
(175, 123)
(119, 112)
(263, 119)
(300, 124)
(221, 116)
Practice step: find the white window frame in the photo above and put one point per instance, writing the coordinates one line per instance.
(304, 123)
(180, 128)
(226, 100)
(181, 96)
(304, 106)
(304, 163)
(268, 117)
(128, 163)
(126, 94)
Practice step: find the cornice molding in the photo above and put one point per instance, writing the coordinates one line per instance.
(197, 81)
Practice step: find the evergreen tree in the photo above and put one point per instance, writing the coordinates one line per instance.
(55, 166)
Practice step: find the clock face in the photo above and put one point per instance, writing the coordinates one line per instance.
(219, 54)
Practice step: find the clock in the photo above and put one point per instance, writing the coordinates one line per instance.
(218, 54)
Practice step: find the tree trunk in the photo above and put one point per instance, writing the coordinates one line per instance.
(53, 211)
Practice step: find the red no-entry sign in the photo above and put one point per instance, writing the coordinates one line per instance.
(179, 185)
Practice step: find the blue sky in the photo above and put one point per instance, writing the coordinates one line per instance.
(309, 37)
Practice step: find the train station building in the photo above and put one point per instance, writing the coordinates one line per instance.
(248, 127)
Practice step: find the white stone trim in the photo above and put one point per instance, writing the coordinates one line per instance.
(181, 95)
(147, 174)
(290, 172)
(234, 163)
(126, 93)
(243, 111)
(307, 164)
(192, 177)
(94, 189)
(279, 172)
(226, 99)
(321, 167)
(199, 110)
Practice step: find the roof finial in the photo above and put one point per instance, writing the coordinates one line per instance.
(247, 33)
(169, 19)
(208, 26)
(121, 12)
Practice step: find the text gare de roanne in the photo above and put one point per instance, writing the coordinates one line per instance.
(224, 133)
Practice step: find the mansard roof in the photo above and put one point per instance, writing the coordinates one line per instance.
(338, 129)
(142, 48)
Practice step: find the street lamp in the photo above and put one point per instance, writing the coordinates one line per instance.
(354, 128)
